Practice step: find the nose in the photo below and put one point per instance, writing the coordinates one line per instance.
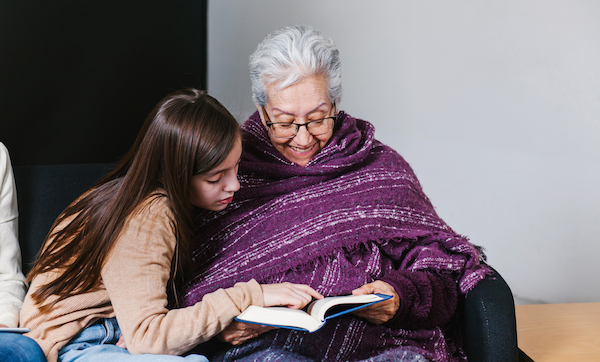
(232, 184)
(303, 137)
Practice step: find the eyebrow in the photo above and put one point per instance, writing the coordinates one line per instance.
(291, 114)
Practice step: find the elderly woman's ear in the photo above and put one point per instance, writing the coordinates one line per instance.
(261, 113)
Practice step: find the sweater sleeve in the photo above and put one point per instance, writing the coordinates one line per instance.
(427, 299)
(136, 276)
(12, 280)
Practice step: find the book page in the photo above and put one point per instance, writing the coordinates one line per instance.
(280, 317)
(319, 308)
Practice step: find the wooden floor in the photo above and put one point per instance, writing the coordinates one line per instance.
(559, 332)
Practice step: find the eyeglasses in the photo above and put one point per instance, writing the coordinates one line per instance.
(290, 130)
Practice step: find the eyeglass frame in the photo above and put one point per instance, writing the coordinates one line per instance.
(298, 125)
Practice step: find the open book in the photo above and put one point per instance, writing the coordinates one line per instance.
(316, 315)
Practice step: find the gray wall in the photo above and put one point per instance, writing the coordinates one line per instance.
(495, 104)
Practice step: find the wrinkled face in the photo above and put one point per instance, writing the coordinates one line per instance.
(214, 190)
(299, 103)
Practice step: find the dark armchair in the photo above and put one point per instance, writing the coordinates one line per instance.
(43, 192)
(487, 314)
(488, 322)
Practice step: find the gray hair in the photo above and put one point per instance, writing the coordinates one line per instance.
(288, 55)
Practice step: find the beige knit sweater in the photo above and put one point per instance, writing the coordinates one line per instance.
(133, 288)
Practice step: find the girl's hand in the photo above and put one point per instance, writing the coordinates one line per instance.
(238, 332)
(287, 294)
(121, 342)
(380, 312)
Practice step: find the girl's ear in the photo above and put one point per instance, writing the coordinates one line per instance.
(261, 112)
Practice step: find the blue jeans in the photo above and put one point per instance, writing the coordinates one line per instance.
(15, 347)
(97, 343)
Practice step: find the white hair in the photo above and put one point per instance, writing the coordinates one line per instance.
(288, 55)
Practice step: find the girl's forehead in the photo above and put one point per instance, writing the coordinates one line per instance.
(230, 162)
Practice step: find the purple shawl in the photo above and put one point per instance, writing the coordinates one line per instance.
(356, 213)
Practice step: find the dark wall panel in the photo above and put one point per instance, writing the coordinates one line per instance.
(77, 78)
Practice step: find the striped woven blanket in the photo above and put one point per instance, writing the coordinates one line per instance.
(356, 213)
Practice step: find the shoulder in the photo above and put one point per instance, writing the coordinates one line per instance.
(150, 225)
(156, 201)
(5, 165)
(367, 130)
(155, 206)
(153, 214)
(8, 196)
(3, 151)
(380, 155)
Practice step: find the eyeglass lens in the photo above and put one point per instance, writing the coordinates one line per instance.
(315, 128)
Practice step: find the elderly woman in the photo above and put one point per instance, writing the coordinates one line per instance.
(324, 203)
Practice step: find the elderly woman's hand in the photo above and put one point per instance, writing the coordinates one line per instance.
(380, 312)
(292, 295)
(237, 332)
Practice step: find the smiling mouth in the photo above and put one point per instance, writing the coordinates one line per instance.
(302, 150)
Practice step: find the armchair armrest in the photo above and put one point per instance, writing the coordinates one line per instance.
(489, 327)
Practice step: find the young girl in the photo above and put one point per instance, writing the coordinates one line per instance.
(114, 258)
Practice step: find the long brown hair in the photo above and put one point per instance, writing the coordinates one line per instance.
(186, 134)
